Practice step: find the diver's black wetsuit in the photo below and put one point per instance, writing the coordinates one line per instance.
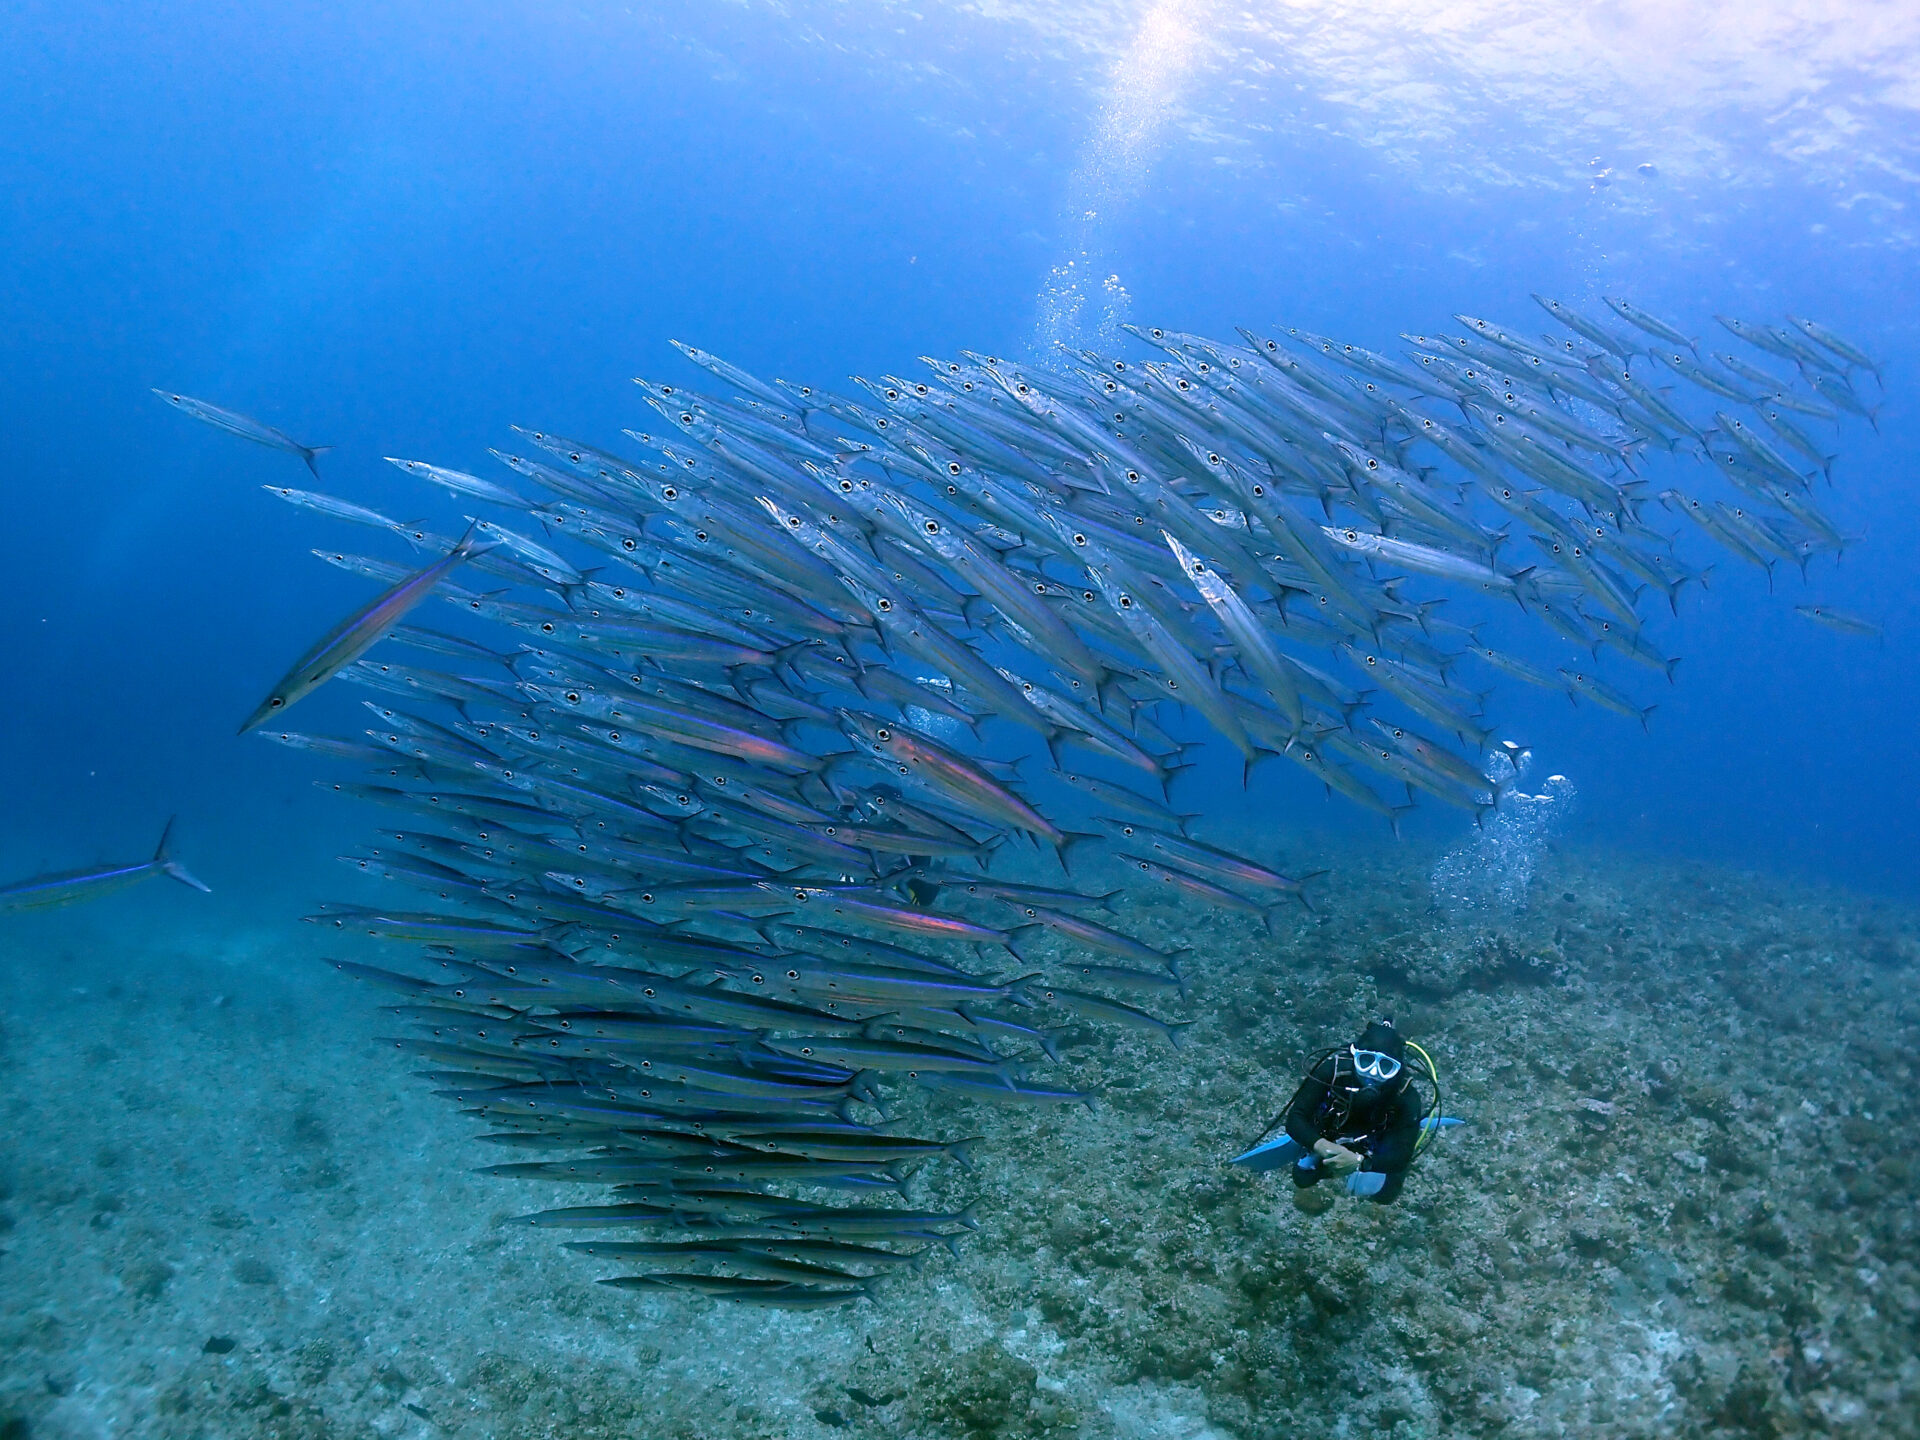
(1381, 1124)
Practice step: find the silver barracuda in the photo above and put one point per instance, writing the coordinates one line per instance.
(357, 634)
(1653, 325)
(245, 426)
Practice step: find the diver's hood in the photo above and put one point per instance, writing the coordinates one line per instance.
(1380, 1035)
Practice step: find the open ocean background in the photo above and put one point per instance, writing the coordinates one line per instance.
(398, 230)
(398, 233)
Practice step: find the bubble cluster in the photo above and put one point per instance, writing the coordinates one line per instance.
(1487, 875)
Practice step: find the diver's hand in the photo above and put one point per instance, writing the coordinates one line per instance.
(1335, 1160)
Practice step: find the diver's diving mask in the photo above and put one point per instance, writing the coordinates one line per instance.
(1374, 1065)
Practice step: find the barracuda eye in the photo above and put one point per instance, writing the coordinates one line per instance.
(1183, 385)
(793, 522)
(1372, 660)
(686, 417)
(933, 527)
(573, 697)
(885, 604)
(1158, 333)
(574, 458)
(881, 424)
(846, 487)
(966, 385)
(671, 492)
(1079, 539)
(953, 468)
(1259, 490)
(1086, 595)
(1111, 387)
(1199, 568)
(883, 733)
(1120, 366)
(1126, 602)
(1373, 464)
(919, 389)
(1212, 459)
(628, 543)
(1203, 367)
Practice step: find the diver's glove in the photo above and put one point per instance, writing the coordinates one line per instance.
(1366, 1182)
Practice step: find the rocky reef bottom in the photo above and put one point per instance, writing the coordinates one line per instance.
(1682, 1203)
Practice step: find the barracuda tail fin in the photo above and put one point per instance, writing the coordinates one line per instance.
(961, 1151)
(1070, 841)
(1173, 969)
(170, 866)
(1015, 937)
(310, 453)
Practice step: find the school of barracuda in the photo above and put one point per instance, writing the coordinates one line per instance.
(707, 824)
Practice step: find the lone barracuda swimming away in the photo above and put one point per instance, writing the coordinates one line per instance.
(245, 426)
(44, 892)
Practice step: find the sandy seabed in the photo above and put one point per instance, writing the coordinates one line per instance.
(1683, 1203)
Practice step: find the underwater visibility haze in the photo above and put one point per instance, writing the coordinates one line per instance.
(1150, 719)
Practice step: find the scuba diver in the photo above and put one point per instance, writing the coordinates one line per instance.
(1357, 1117)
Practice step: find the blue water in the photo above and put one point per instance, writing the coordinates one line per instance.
(398, 234)
(398, 230)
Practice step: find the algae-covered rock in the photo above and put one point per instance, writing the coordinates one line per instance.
(1670, 1212)
(984, 1393)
